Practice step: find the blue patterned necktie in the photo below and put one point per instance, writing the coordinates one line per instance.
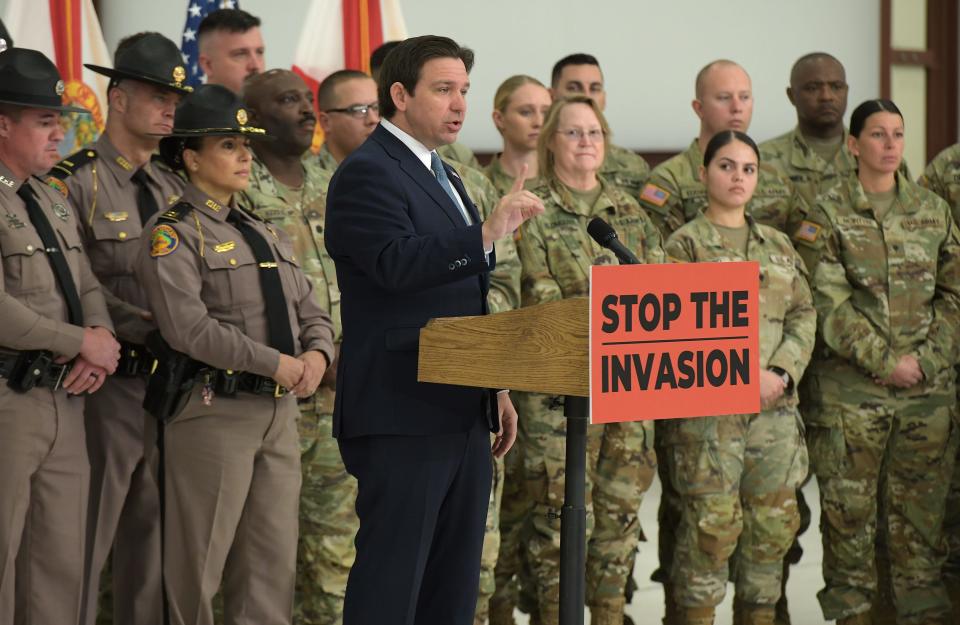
(436, 165)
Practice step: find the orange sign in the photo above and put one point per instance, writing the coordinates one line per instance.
(674, 340)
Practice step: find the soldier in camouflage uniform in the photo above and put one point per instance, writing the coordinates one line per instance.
(737, 475)
(942, 176)
(292, 195)
(519, 109)
(579, 74)
(814, 155)
(504, 295)
(556, 254)
(349, 112)
(884, 388)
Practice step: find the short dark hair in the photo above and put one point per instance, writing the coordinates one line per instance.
(230, 20)
(725, 137)
(858, 119)
(807, 58)
(378, 56)
(578, 58)
(405, 62)
(329, 85)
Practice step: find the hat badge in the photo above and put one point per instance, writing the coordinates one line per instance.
(242, 117)
(179, 74)
(59, 88)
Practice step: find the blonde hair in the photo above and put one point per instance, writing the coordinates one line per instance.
(549, 130)
(501, 99)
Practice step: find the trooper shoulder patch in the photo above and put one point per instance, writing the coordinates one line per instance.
(654, 194)
(69, 166)
(163, 241)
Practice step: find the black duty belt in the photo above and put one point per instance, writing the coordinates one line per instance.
(229, 383)
(29, 369)
(135, 361)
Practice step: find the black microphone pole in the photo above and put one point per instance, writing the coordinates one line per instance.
(573, 514)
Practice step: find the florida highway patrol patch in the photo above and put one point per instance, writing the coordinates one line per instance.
(163, 241)
(58, 184)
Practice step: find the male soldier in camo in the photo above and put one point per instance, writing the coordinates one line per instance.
(882, 420)
(291, 193)
(942, 176)
(113, 187)
(580, 74)
(349, 112)
(556, 254)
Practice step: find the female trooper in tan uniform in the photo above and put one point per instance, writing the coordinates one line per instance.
(737, 475)
(227, 291)
(520, 106)
(556, 254)
(882, 423)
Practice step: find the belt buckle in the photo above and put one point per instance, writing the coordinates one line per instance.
(63, 372)
(279, 391)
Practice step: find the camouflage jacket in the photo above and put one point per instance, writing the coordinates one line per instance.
(458, 154)
(887, 287)
(625, 169)
(674, 194)
(324, 159)
(504, 181)
(942, 176)
(302, 218)
(788, 321)
(556, 252)
(505, 278)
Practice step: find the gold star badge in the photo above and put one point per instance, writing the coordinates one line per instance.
(242, 117)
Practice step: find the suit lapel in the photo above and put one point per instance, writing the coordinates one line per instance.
(420, 174)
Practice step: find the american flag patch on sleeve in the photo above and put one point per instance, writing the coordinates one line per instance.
(808, 231)
(654, 194)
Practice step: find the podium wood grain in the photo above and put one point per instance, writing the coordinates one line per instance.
(542, 348)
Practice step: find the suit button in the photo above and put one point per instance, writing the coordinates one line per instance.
(464, 261)
(458, 263)
(30, 249)
(451, 267)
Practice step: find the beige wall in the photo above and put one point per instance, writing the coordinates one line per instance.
(908, 84)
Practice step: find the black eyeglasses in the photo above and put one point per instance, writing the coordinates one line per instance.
(357, 110)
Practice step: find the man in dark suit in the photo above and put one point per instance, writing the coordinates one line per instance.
(409, 245)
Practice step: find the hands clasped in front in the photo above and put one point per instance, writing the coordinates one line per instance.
(907, 373)
(98, 358)
(301, 375)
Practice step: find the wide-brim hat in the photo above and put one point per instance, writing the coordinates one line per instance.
(30, 79)
(151, 58)
(210, 111)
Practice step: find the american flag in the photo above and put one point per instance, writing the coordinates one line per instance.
(196, 11)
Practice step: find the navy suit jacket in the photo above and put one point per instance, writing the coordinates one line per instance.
(404, 255)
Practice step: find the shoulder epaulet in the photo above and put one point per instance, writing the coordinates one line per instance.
(68, 166)
(175, 213)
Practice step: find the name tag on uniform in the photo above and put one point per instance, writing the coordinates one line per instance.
(117, 216)
(225, 247)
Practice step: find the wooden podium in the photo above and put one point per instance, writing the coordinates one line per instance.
(543, 349)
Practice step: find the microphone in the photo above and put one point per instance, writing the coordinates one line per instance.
(604, 234)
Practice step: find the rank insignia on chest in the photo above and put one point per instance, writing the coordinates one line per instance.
(163, 241)
(14, 222)
(654, 194)
(808, 231)
(225, 247)
(61, 211)
(117, 216)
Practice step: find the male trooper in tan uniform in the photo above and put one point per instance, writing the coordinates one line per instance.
(113, 188)
(579, 74)
(349, 112)
(290, 191)
(56, 343)
(674, 195)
